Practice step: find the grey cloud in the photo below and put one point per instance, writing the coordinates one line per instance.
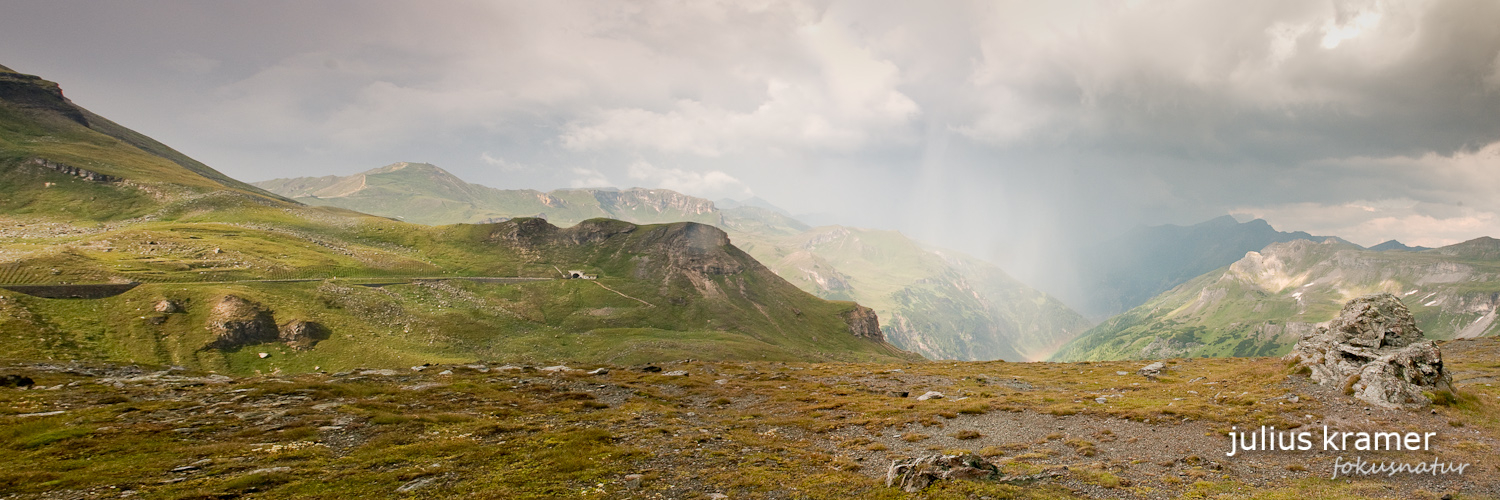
(1006, 129)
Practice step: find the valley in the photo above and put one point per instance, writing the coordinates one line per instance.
(938, 303)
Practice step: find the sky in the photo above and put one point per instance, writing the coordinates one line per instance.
(1006, 129)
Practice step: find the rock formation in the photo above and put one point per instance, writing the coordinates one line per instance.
(235, 321)
(302, 334)
(165, 306)
(863, 323)
(917, 474)
(1374, 351)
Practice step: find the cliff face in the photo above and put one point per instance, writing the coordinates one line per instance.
(31, 93)
(863, 323)
(660, 201)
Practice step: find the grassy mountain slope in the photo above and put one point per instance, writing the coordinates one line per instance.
(37, 121)
(1128, 270)
(938, 303)
(1263, 303)
(83, 206)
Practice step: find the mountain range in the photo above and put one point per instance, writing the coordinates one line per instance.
(940, 303)
(1261, 304)
(1112, 276)
(182, 265)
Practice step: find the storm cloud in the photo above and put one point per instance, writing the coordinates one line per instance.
(1006, 129)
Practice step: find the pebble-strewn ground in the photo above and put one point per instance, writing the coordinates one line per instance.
(741, 430)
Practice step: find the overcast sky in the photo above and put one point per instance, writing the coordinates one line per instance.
(1004, 129)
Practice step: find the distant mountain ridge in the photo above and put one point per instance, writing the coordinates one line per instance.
(1396, 245)
(1126, 271)
(426, 194)
(1264, 302)
(939, 303)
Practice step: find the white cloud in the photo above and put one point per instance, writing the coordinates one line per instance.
(1461, 200)
(501, 163)
(588, 177)
(712, 184)
(1336, 32)
(191, 63)
(1370, 222)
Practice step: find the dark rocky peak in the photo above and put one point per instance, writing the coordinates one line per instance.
(593, 231)
(32, 93)
(525, 231)
(1393, 245)
(695, 247)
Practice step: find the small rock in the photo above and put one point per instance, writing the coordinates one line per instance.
(1122, 373)
(383, 373)
(651, 369)
(16, 381)
(1152, 370)
(265, 355)
(721, 381)
(557, 369)
(1101, 400)
(599, 371)
(676, 373)
(445, 372)
(417, 484)
(633, 481)
(418, 368)
(718, 496)
(930, 395)
(167, 307)
(42, 414)
(270, 470)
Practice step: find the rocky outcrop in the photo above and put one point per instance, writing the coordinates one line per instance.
(85, 174)
(236, 322)
(681, 247)
(863, 323)
(301, 334)
(915, 475)
(33, 93)
(1374, 351)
